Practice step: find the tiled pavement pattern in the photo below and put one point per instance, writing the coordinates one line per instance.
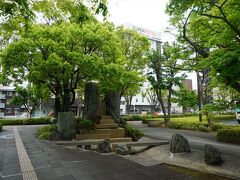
(52, 162)
(27, 169)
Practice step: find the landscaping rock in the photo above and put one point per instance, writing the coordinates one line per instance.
(212, 156)
(122, 149)
(104, 146)
(179, 144)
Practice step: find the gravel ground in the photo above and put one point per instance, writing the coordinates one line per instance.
(193, 160)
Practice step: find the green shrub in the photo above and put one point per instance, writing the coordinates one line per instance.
(132, 132)
(222, 117)
(84, 125)
(135, 117)
(32, 121)
(175, 125)
(0, 126)
(46, 131)
(229, 135)
(190, 126)
(203, 128)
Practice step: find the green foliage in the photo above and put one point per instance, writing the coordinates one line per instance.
(132, 132)
(222, 117)
(0, 126)
(211, 28)
(30, 97)
(60, 56)
(190, 126)
(186, 98)
(229, 135)
(85, 124)
(46, 131)
(28, 121)
(134, 117)
(165, 73)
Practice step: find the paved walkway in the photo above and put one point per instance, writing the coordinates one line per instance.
(23, 156)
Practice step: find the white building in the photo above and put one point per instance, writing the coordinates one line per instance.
(140, 104)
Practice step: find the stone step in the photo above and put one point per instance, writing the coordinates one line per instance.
(117, 133)
(106, 117)
(92, 141)
(106, 121)
(92, 136)
(106, 126)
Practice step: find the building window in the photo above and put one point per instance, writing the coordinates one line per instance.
(8, 101)
(8, 110)
(136, 100)
(9, 93)
(17, 111)
(123, 102)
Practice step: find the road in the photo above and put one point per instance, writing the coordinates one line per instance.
(196, 139)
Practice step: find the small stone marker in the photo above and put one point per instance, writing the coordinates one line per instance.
(179, 144)
(212, 156)
(122, 149)
(104, 146)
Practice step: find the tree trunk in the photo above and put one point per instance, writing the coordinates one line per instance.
(199, 87)
(57, 106)
(169, 105)
(113, 101)
(66, 100)
(163, 109)
(91, 102)
(67, 125)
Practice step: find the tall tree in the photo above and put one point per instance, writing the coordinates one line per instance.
(59, 57)
(212, 29)
(165, 75)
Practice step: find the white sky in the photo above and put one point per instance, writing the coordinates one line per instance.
(148, 14)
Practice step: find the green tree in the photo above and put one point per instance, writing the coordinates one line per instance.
(212, 29)
(165, 75)
(59, 57)
(151, 97)
(30, 97)
(186, 99)
(135, 48)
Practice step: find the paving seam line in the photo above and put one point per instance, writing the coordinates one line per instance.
(27, 169)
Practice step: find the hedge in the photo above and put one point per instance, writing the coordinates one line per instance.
(229, 135)
(222, 117)
(41, 120)
(132, 132)
(190, 126)
(0, 127)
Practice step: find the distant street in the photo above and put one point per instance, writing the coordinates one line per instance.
(196, 139)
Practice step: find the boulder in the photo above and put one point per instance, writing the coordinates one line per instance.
(212, 156)
(122, 149)
(104, 146)
(179, 144)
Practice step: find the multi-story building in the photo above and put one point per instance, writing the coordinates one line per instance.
(6, 108)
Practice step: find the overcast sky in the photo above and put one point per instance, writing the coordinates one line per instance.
(148, 14)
